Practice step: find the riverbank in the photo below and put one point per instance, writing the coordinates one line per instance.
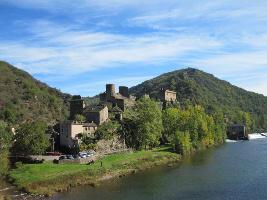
(49, 178)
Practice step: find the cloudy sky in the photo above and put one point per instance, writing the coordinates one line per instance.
(80, 46)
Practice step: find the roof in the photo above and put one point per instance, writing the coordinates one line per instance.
(89, 125)
(232, 125)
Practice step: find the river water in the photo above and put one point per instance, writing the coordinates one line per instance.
(234, 170)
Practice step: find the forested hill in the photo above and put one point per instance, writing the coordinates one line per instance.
(196, 87)
(23, 98)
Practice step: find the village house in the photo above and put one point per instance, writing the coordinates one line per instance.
(71, 131)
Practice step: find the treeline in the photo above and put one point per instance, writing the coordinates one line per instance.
(195, 87)
(188, 130)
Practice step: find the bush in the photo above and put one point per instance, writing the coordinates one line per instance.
(18, 164)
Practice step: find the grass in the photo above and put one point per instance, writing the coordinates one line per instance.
(49, 178)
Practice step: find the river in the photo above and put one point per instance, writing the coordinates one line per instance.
(234, 170)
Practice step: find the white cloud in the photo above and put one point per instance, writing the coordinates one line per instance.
(63, 50)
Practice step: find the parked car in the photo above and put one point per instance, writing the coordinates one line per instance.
(55, 154)
(89, 154)
(70, 157)
(76, 156)
(62, 157)
(82, 155)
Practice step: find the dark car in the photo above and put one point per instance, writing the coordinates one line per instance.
(69, 157)
(76, 156)
(62, 157)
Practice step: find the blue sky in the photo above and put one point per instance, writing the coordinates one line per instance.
(80, 46)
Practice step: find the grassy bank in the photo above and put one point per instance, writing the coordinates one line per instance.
(49, 178)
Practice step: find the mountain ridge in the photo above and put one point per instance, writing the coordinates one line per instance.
(24, 98)
(196, 87)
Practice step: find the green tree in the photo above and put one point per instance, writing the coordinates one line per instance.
(9, 115)
(182, 143)
(30, 139)
(5, 143)
(79, 118)
(5, 136)
(170, 123)
(149, 122)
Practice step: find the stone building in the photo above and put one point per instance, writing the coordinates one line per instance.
(121, 99)
(70, 132)
(164, 95)
(95, 114)
(236, 131)
(77, 106)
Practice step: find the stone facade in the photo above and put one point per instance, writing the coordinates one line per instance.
(121, 99)
(70, 132)
(164, 95)
(77, 106)
(94, 114)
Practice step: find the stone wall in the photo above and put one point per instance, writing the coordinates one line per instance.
(105, 147)
(76, 160)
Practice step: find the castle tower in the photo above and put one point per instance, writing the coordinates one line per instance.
(123, 90)
(76, 106)
(110, 90)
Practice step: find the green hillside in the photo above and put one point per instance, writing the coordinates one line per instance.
(196, 87)
(23, 98)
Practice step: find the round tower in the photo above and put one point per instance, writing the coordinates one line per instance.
(110, 90)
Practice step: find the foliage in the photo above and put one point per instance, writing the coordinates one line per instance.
(182, 143)
(145, 123)
(91, 101)
(192, 129)
(79, 118)
(107, 130)
(18, 164)
(5, 143)
(195, 87)
(30, 139)
(24, 98)
(5, 136)
(4, 163)
(243, 118)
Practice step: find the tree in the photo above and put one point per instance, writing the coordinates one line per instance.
(5, 143)
(5, 136)
(182, 143)
(30, 139)
(79, 118)
(149, 122)
(170, 124)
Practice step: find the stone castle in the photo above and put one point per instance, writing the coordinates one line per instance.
(70, 131)
(121, 99)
